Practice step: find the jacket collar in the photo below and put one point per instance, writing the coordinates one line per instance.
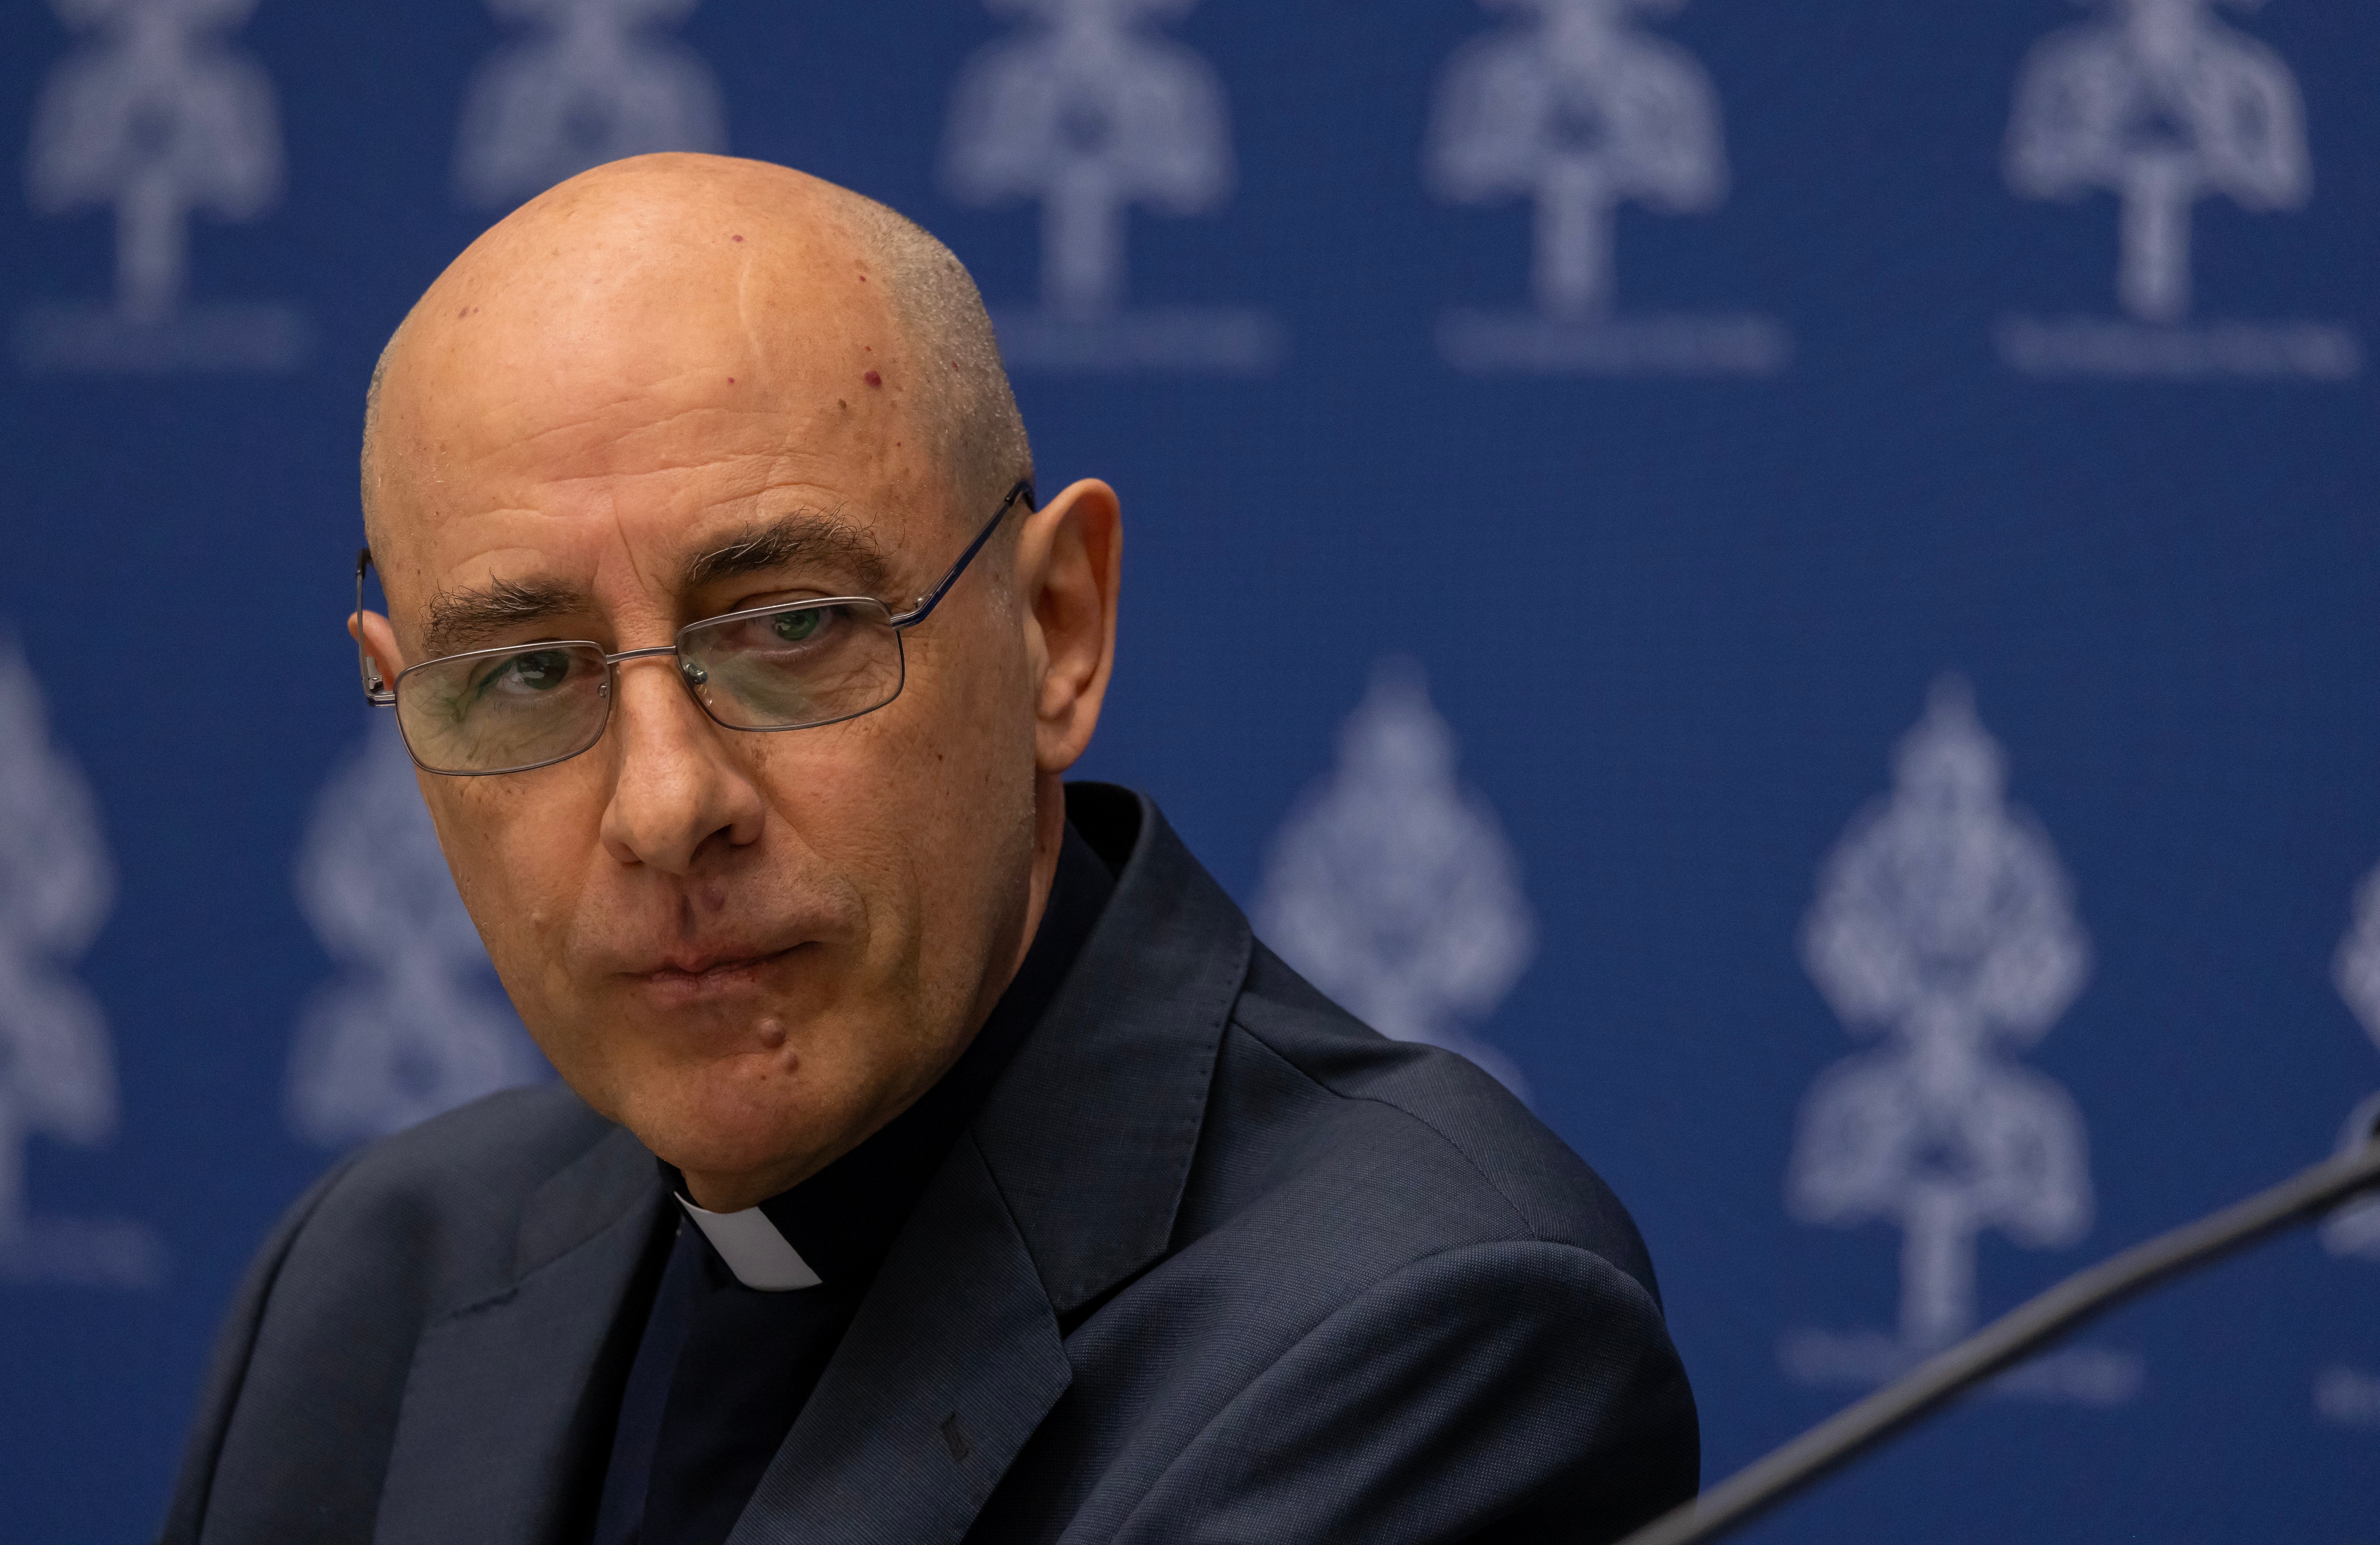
(1091, 1132)
(1067, 1184)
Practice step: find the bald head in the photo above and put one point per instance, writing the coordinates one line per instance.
(680, 267)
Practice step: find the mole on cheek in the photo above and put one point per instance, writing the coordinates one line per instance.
(873, 379)
(735, 238)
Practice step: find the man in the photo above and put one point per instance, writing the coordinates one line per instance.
(937, 1157)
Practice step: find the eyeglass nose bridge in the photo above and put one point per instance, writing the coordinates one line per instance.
(688, 672)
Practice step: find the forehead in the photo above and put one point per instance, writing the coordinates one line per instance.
(526, 433)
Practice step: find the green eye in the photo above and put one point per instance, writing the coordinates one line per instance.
(508, 680)
(796, 627)
(542, 672)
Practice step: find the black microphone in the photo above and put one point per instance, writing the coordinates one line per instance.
(2009, 1340)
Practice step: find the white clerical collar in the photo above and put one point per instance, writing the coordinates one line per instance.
(761, 1257)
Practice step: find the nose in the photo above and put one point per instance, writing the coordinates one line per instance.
(677, 787)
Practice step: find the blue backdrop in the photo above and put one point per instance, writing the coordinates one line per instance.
(1796, 579)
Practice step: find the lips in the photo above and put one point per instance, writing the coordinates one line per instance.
(698, 963)
(688, 977)
(680, 943)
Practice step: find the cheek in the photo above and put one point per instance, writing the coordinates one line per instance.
(844, 816)
(971, 751)
(518, 847)
(975, 784)
(925, 809)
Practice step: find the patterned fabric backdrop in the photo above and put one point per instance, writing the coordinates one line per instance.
(1794, 580)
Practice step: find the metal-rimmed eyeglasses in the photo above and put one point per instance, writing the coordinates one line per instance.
(789, 667)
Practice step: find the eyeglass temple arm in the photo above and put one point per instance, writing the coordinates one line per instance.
(933, 598)
(377, 693)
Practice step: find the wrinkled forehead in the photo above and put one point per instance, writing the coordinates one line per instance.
(675, 386)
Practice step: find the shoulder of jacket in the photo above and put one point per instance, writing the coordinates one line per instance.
(1432, 1105)
(504, 1144)
(433, 1216)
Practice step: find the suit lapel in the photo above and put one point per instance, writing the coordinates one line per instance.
(1092, 1129)
(1067, 1184)
(505, 1397)
(953, 1361)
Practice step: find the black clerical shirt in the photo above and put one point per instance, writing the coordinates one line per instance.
(723, 1370)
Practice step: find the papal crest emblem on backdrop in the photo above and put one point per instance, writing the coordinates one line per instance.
(2162, 106)
(416, 1022)
(2342, 1393)
(157, 120)
(57, 1064)
(594, 80)
(1579, 109)
(1090, 111)
(1391, 886)
(1944, 927)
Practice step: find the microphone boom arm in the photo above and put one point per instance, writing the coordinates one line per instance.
(2009, 1340)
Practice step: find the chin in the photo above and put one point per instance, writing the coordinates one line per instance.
(729, 1121)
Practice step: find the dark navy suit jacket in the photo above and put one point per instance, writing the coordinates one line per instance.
(1214, 1263)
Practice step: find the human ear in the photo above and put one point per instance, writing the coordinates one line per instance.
(379, 639)
(1069, 562)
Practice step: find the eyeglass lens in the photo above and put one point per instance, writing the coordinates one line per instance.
(788, 667)
(499, 709)
(793, 667)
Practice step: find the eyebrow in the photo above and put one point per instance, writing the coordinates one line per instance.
(802, 539)
(461, 620)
